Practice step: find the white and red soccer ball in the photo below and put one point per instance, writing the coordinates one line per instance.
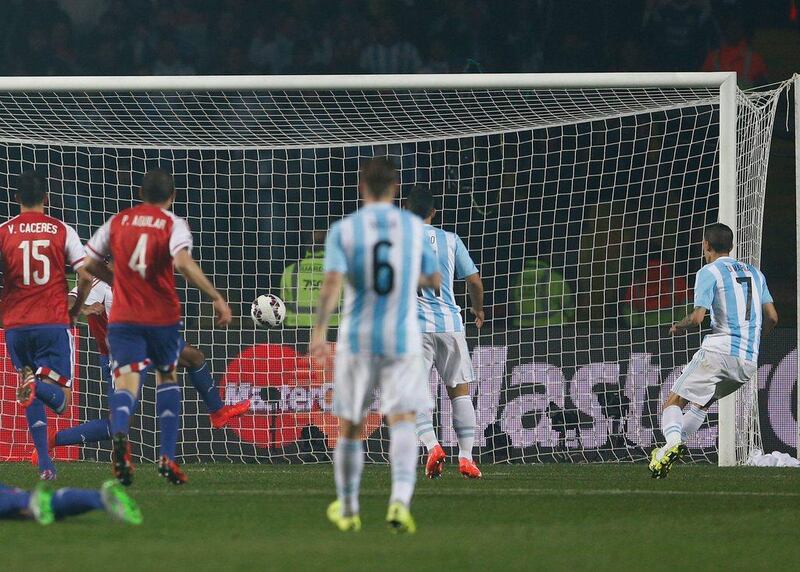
(268, 311)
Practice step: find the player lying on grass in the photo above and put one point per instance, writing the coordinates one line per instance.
(46, 506)
(97, 308)
(382, 255)
(444, 344)
(148, 243)
(34, 251)
(742, 310)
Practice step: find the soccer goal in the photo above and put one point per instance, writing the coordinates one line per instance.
(582, 198)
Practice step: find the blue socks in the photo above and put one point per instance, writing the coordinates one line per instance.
(121, 405)
(89, 432)
(168, 409)
(51, 395)
(37, 424)
(12, 502)
(203, 382)
(69, 502)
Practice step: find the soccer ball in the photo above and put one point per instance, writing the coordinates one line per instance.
(268, 311)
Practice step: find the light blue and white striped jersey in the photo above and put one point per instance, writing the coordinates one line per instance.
(438, 311)
(381, 250)
(734, 292)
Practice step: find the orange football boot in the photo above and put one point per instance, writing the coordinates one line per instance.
(222, 416)
(435, 463)
(469, 469)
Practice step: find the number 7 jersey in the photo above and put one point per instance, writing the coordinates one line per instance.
(381, 250)
(142, 241)
(34, 251)
(734, 292)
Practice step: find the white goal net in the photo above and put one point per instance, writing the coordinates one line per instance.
(582, 206)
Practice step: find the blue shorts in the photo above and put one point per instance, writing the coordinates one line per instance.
(135, 348)
(48, 350)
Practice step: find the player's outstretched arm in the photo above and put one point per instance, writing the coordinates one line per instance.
(84, 287)
(770, 318)
(475, 291)
(185, 264)
(690, 321)
(101, 270)
(328, 300)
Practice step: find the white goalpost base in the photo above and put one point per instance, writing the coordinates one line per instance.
(592, 175)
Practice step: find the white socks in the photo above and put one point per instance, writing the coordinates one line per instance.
(403, 457)
(464, 425)
(425, 431)
(672, 424)
(348, 463)
(692, 420)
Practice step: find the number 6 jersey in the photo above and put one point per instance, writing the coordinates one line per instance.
(381, 250)
(734, 292)
(34, 251)
(142, 241)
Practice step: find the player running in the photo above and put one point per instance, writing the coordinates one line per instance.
(34, 250)
(443, 342)
(46, 506)
(97, 308)
(382, 252)
(146, 241)
(742, 310)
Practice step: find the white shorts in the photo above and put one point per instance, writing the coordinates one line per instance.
(448, 352)
(712, 375)
(402, 382)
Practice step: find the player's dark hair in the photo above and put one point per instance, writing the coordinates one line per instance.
(420, 201)
(31, 189)
(378, 176)
(719, 237)
(158, 186)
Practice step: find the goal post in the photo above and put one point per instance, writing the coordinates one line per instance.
(568, 189)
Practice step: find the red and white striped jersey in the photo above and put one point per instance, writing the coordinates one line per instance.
(34, 251)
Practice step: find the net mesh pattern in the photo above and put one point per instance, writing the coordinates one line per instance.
(583, 209)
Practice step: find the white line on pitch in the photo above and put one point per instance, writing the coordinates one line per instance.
(479, 492)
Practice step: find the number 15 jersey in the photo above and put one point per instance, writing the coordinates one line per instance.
(734, 292)
(142, 241)
(381, 250)
(34, 249)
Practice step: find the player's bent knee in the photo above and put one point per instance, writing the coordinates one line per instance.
(400, 417)
(127, 382)
(349, 430)
(169, 376)
(191, 357)
(459, 390)
(675, 399)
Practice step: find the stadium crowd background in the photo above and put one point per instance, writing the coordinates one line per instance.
(65, 37)
(760, 40)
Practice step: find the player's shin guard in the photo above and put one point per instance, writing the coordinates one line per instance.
(202, 380)
(403, 457)
(425, 431)
(672, 424)
(51, 395)
(464, 425)
(168, 409)
(121, 406)
(348, 464)
(692, 421)
(89, 432)
(37, 423)
(69, 502)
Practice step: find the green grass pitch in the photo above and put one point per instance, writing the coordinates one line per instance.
(540, 517)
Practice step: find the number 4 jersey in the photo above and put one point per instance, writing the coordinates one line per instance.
(734, 292)
(382, 251)
(35, 249)
(142, 241)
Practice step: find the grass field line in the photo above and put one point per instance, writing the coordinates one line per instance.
(478, 492)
